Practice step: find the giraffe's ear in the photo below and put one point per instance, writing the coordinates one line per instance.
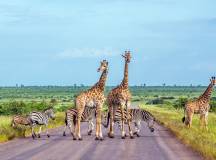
(123, 56)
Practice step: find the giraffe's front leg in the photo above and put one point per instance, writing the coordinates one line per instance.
(122, 122)
(78, 134)
(99, 135)
(206, 121)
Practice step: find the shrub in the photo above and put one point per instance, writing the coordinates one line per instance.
(180, 103)
(155, 101)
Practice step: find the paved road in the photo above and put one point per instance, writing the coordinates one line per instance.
(160, 145)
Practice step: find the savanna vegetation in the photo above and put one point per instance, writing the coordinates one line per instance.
(165, 102)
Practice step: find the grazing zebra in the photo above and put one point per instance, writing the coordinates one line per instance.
(41, 118)
(88, 115)
(135, 116)
(20, 120)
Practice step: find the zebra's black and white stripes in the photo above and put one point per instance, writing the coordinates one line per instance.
(41, 118)
(135, 116)
(88, 115)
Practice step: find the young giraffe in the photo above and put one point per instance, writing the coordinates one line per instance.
(199, 106)
(120, 97)
(94, 97)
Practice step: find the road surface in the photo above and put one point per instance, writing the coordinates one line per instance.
(160, 145)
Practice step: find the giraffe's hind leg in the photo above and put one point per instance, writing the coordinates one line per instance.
(99, 135)
(78, 122)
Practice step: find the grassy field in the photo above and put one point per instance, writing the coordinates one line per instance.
(169, 101)
(199, 139)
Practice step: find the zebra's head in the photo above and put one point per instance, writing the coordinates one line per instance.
(50, 113)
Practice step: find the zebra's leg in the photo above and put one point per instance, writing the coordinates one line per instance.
(122, 123)
(39, 136)
(111, 118)
(33, 133)
(66, 125)
(137, 128)
(129, 121)
(64, 132)
(90, 127)
(47, 132)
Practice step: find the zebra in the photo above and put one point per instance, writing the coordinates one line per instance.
(135, 116)
(89, 114)
(41, 118)
(20, 120)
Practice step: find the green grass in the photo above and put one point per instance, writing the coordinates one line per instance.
(8, 133)
(199, 139)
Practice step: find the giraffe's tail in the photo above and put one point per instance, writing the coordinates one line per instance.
(107, 122)
(183, 119)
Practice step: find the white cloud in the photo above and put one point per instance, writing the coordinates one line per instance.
(87, 53)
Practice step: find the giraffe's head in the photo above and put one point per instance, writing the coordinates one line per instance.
(103, 66)
(127, 56)
(213, 81)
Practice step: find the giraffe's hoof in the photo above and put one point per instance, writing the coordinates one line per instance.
(152, 129)
(101, 139)
(48, 135)
(97, 138)
(64, 134)
(137, 135)
(110, 135)
(80, 139)
(39, 136)
(33, 136)
(123, 137)
(131, 137)
(74, 138)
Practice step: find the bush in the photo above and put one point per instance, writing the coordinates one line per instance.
(213, 106)
(155, 101)
(19, 107)
(180, 103)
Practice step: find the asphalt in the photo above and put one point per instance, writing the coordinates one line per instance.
(160, 145)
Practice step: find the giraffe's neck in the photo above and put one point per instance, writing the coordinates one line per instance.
(101, 83)
(205, 97)
(124, 82)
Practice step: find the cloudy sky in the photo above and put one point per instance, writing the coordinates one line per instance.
(62, 42)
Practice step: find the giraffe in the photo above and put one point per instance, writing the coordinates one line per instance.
(199, 106)
(94, 97)
(120, 97)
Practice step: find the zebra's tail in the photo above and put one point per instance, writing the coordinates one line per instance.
(108, 119)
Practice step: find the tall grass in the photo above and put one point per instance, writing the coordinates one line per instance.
(199, 139)
(7, 132)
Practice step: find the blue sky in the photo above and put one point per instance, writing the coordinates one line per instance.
(61, 42)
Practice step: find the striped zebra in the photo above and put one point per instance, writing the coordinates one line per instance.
(41, 118)
(89, 114)
(135, 116)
